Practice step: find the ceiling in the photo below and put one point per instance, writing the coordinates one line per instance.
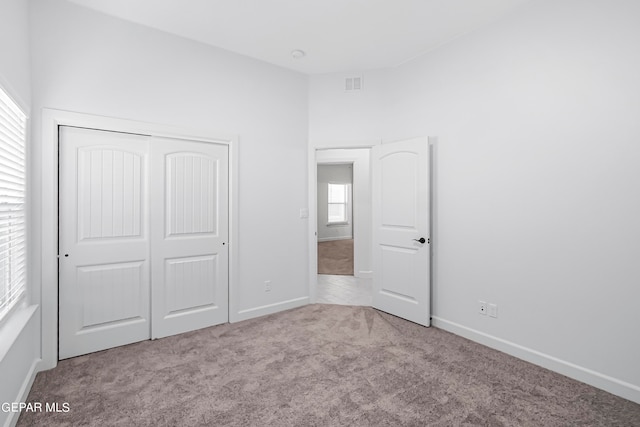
(336, 35)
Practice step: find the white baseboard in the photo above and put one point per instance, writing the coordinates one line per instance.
(365, 274)
(330, 239)
(585, 375)
(12, 420)
(269, 309)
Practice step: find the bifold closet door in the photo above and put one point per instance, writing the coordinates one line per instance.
(103, 240)
(143, 238)
(189, 234)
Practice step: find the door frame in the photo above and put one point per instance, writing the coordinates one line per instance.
(51, 120)
(313, 209)
(313, 203)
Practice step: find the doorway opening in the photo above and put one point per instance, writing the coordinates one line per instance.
(396, 208)
(335, 219)
(342, 211)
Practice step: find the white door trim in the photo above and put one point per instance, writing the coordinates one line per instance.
(51, 120)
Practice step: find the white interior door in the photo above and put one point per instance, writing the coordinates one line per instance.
(190, 207)
(400, 220)
(143, 238)
(104, 240)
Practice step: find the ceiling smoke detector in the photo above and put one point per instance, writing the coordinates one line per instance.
(298, 54)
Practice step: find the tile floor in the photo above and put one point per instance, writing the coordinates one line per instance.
(344, 290)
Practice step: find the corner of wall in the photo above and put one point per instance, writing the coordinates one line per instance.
(19, 359)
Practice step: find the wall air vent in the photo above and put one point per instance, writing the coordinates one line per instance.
(353, 84)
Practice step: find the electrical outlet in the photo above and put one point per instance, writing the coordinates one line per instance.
(482, 308)
(493, 310)
(267, 285)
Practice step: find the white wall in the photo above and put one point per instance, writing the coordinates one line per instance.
(14, 44)
(87, 62)
(338, 118)
(20, 331)
(537, 178)
(334, 174)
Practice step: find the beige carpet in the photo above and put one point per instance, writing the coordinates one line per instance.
(335, 257)
(318, 365)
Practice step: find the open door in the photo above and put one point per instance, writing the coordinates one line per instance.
(401, 226)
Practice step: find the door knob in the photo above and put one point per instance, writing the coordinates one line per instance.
(421, 240)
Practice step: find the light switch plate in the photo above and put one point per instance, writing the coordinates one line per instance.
(493, 310)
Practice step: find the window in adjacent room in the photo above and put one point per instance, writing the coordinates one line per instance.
(13, 123)
(338, 200)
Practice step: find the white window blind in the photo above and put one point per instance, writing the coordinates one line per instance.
(12, 209)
